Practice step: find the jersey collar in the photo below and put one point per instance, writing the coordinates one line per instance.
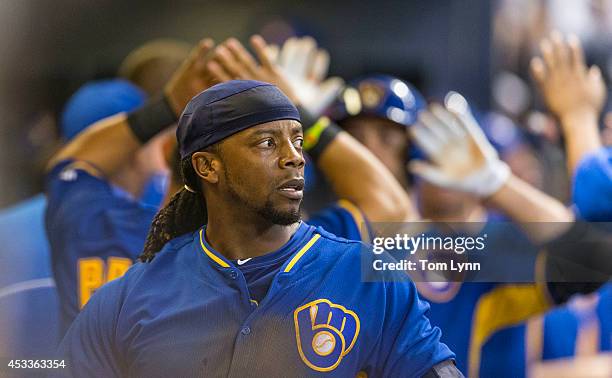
(302, 246)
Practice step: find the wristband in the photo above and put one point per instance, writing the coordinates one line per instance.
(307, 119)
(489, 180)
(149, 120)
(319, 136)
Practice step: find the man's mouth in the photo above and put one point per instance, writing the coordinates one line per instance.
(292, 189)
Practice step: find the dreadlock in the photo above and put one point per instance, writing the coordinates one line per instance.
(185, 213)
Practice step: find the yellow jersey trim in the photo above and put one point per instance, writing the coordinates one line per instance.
(358, 218)
(210, 254)
(301, 253)
(504, 306)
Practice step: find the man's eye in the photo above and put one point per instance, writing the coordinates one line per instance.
(298, 143)
(266, 143)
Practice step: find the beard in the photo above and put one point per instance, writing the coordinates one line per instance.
(275, 216)
(267, 211)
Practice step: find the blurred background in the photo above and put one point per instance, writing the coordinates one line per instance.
(51, 48)
(480, 48)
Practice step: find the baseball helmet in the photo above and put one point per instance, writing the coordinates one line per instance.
(379, 95)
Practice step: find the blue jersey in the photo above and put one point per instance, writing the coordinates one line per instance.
(343, 219)
(189, 313)
(28, 299)
(483, 322)
(94, 232)
(582, 327)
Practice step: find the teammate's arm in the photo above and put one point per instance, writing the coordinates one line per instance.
(357, 175)
(461, 158)
(353, 171)
(573, 92)
(111, 141)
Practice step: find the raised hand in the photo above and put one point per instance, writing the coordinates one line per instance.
(305, 66)
(232, 61)
(566, 83)
(298, 69)
(191, 78)
(573, 92)
(460, 155)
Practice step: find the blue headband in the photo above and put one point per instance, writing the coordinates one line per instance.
(228, 108)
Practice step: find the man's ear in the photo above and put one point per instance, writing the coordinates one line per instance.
(206, 165)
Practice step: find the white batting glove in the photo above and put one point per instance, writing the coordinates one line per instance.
(461, 157)
(305, 67)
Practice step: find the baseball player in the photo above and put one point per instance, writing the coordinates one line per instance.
(29, 312)
(81, 196)
(584, 326)
(89, 218)
(189, 310)
(393, 104)
(575, 95)
(29, 333)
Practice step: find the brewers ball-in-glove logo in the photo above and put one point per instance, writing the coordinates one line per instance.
(325, 333)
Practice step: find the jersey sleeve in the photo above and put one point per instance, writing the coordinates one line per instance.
(76, 192)
(409, 345)
(89, 348)
(343, 219)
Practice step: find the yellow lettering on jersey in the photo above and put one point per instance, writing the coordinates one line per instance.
(90, 272)
(117, 266)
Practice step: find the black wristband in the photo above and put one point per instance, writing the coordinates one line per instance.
(308, 120)
(328, 134)
(318, 133)
(153, 117)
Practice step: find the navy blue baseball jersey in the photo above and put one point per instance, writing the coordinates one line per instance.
(189, 313)
(94, 231)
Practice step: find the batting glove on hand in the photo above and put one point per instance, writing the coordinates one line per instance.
(305, 66)
(461, 157)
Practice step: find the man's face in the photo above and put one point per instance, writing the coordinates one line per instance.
(438, 203)
(386, 139)
(263, 170)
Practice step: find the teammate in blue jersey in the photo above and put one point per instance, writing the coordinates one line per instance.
(28, 295)
(576, 94)
(581, 328)
(377, 109)
(189, 310)
(91, 223)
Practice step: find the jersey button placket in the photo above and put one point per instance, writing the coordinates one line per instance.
(245, 331)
